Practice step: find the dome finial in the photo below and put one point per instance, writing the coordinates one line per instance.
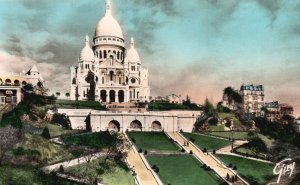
(132, 42)
(108, 6)
(87, 39)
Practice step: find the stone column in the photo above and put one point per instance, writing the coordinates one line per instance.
(117, 97)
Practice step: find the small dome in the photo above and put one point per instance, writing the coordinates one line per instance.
(87, 53)
(132, 54)
(108, 26)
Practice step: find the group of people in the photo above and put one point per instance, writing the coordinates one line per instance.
(186, 143)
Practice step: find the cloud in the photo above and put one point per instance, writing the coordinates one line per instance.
(166, 6)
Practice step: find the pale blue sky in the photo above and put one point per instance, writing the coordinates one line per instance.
(194, 47)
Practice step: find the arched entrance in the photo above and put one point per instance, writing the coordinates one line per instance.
(114, 125)
(103, 95)
(112, 96)
(7, 82)
(24, 83)
(136, 125)
(16, 83)
(156, 125)
(121, 96)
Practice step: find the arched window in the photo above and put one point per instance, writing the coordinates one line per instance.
(111, 74)
(100, 54)
(104, 54)
(7, 82)
(118, 55)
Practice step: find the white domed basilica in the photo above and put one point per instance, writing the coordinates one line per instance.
(117, 72)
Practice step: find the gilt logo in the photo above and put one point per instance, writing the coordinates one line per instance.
(285, 166)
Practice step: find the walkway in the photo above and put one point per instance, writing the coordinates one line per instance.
(210, 161)
(144, 175)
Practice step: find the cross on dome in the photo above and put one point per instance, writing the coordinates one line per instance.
(132, 42)
(108, 6)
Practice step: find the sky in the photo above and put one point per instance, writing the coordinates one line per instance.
(195, 47)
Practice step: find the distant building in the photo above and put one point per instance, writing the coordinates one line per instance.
(286, 109)
(172, 98)
(272, 111)
(297, 124)
(11, 84)
(253, 100)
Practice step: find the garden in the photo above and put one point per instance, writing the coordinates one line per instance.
(152, 141)
(202, 141)
(254, 172)
(182, 169)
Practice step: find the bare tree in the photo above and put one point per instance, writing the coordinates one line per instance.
(9, 136)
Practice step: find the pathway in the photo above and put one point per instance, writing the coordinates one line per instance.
(236, 143)
(141, 167)
(208, 159)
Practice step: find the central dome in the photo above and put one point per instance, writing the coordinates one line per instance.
(108, 26)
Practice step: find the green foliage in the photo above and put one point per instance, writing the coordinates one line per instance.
(61, 120)
(221, 108)
(164, 106)
(97, 140)
(213, 121)
(13, 117)
(283, 132)
(152, 141)
(233, 95)
(255, 172)
(208, 107)
(80, 104)
(182, 169)
(46, 133)
(23, 175)
(207, 142)
(257, 145)
(29, 152)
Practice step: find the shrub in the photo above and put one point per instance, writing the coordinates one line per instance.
(192, 140)
(191, 152)
(140, 150)
(133, 140)
(182, 150)
(204, 166)
(181, 131)
(204, 150)
(62, 120)
(208, 168)
(61, 169)
(145, 152)
(46, 133)
(234, 167)
(230, 165)
(155, 168)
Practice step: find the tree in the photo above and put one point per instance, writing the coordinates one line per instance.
(57, 93)
(67, 95)
(62, 120)
(208, 107)
(46, 133)
(9, 136)
(229, 124)
(233, 95)
(257, 145)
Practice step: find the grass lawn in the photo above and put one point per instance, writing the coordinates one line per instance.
(224, 115)
(152, 141)
(182, 170)
(114, 176)
(57, 130)
(207, 142)
(97, 140)
(255, 172)
(216, 127)
(79, 104)
(23, 175)
(236, 135)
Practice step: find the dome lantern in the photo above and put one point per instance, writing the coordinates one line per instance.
(87, 53)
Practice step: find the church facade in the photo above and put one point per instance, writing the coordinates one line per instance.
(117, 72)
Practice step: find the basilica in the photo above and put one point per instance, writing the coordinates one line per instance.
(118, 73)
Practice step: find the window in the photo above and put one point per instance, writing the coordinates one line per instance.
(111, 74)
(103, 80)
(120, 80)
(133, 80)
(109, 38)
(104, 55)
(100, 53)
